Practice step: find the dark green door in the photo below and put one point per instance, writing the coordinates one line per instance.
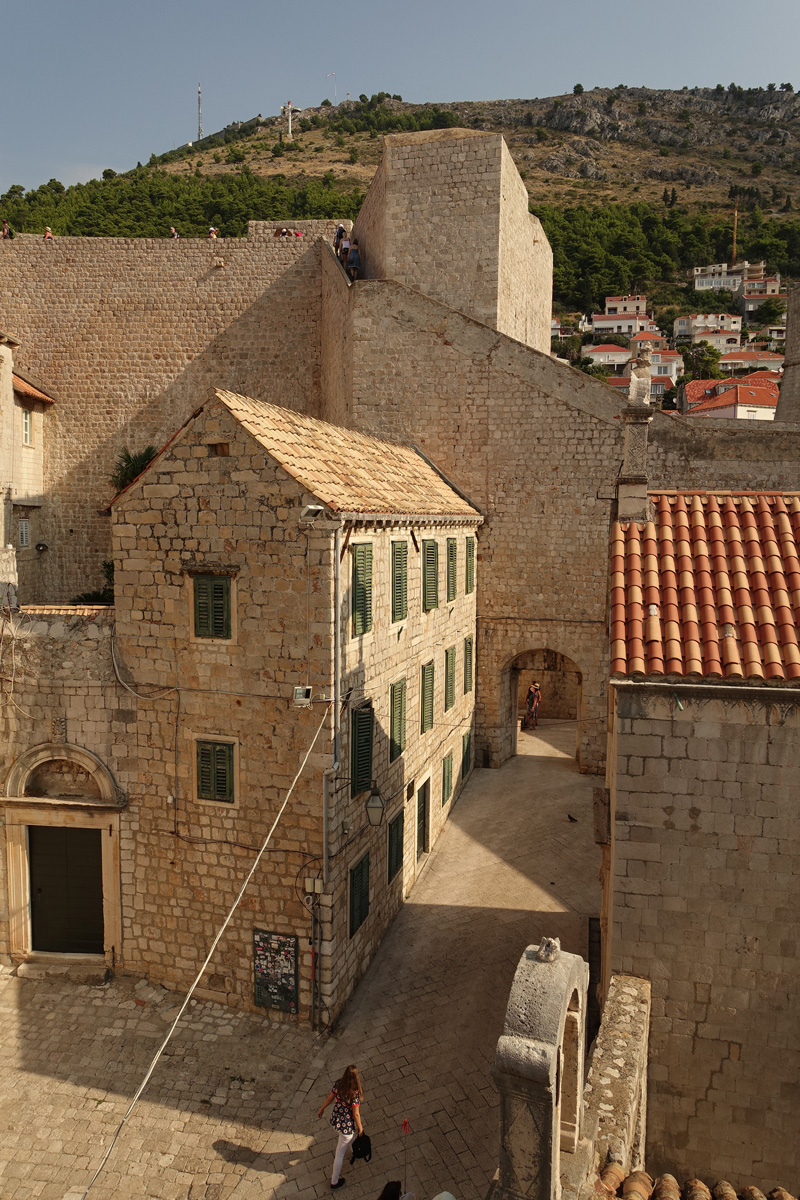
(66, 890)
(422, 819)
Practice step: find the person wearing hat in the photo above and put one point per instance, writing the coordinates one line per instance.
(337, 237)
(212, 232)
(532, 703)
(48, 234)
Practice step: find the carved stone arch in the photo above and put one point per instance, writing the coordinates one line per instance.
(105, 788)
(538, 1071)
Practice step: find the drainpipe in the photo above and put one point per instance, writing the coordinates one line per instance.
(330, 772)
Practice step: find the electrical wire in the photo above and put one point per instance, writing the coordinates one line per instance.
(206, 961)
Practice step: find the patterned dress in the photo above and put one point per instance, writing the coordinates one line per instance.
(342, 1116)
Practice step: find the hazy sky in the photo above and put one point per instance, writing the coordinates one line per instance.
(89, 84)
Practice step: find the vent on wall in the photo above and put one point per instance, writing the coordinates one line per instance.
(24, 532)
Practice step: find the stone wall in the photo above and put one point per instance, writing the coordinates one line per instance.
(525, 283)
(370, 226)
(706, 864)
(336, 348)
(536, 447)
(789, 400)
(130, 333)
(687, 454)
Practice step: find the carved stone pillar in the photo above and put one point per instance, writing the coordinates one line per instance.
(538, 1071)
(632, 482)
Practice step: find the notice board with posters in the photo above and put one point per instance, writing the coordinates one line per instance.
(275, 970)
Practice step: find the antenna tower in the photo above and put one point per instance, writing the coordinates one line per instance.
(735, 223)
(199, 114)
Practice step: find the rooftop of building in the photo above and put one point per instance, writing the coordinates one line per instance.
(23, 388)
(607, 348)
(763, 396)
(638, 1185)
(710, 588)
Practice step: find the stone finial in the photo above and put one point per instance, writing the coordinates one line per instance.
(641, 372)
(549, 949)
(788, 409)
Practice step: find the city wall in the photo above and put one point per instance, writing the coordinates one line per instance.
(706, 878)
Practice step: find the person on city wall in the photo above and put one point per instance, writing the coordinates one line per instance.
(345, 1096)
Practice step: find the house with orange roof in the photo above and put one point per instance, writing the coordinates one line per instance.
(625, 304)
(608, 355)
(627, 324)
(741, 361)
(695, 325)
(737, 401)
(702, 853)
(23, 410)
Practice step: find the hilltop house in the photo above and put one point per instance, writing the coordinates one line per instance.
(718, 276)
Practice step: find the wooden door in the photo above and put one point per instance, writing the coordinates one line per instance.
(66, 878)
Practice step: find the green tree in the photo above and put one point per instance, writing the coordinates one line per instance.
(129, 466)
(701, 362)
(578, 89)
(770, 312)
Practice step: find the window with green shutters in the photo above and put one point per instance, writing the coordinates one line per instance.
(215, 771)
(468, 656)
(362, 588)
(397, 726)
(212, 606)
(452, 563)
(447, 777)
(466, 754)
(396, 844)
(426, 704)
(430, 575)
(469, 566)
(399, 581)
(359, 894)
(449, 678)
(360, 749)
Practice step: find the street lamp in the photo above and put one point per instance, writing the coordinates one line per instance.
(375, 806)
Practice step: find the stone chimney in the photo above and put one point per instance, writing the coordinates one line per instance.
(788, 409)
(632, 482)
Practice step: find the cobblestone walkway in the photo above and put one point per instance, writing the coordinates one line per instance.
(231, 1111)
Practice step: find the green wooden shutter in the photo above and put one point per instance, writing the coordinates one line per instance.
(469, 571)
(426, 706)
(447, 777)
(362, 588)
(399, 581)
(397, 729)
(449, 678)
(430, 575)
(468, 654)
(452, 560)
(212, 606)
(466, 753)
(215, 771)
(359, 894)
(360, 749)
(396, 845)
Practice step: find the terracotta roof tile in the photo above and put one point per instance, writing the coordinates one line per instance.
(349, 471)
(23, 388)
(612, 1181)
(711, 588)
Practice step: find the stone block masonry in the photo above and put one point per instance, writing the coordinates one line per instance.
(706, 876)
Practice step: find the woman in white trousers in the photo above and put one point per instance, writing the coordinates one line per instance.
(345, 1096)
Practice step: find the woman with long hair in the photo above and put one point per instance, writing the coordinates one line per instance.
(345, 1096)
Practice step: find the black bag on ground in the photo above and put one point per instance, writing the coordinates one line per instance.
(362, 1148)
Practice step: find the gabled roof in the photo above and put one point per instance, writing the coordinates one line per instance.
(607, 348)
(758, 378)
(350, 472)
(763, 397)
(754, 355)
(23, 388)
(637, 337)
(710, 588)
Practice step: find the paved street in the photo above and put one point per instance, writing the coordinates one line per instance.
(231, 1110)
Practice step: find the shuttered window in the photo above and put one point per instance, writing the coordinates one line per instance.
(447, 777)
(362, 588)
(452, 562)
(469, 566)
(430, 575)
(396, 844)
(466, 754)
(426, 704)
(449, 678)
(360, 749)
(212, 606)
(397, 727)
(359, 894)
(399, 581)
(215, 771)
(468, 655)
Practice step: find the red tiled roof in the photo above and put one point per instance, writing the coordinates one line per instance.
(758, 355)
(606, 348)
(696, 389)
(757, 378)
(647, 334)
(23, 388)
(761, 396)
(710, 588)
(619, 381)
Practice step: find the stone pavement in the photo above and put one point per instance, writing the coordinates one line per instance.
(231, 1110)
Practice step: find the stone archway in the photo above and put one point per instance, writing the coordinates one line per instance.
(61, 771)
(561, 683)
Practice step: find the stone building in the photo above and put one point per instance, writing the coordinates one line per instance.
(702, 848)
(164, 735)
(22, 436)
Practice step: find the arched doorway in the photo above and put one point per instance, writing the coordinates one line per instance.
(561, 683)
(62, 838)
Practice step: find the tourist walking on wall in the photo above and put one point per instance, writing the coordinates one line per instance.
(173, 233)
(337, 237)
(48, 234)
(346, 1097)
(344, 249)
(354, 260)
(8, 232)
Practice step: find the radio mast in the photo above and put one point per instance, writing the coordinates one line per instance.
(199, 114)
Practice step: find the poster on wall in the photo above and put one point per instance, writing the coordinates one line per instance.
(275, 970)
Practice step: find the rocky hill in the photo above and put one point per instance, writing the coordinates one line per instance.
(714, 146)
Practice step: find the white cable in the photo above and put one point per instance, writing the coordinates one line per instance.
(208, 958)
